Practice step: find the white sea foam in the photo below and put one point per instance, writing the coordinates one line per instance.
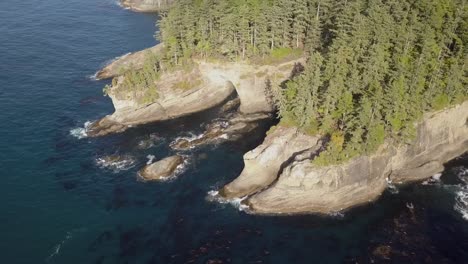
(391, 187)
(93, 77)
(150, 159)
(213, 196)
(192, 137)
(116, 163)
(461, 196)
(435, 179)
(179, 170)
(150, 142)
(338, 215)
(461, 202)
(81, 132)
(119, 3)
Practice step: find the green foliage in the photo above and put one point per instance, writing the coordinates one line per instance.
(374, 67)
(186, 85)
(440, 101)
(238, 29)
(377, 67)
(140, 84)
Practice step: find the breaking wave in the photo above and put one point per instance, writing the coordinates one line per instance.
(93, 77)
(116, 163)
(213, 196)
(189, 139)
(337, 215)
(391, 186)
(461, 196)
(150, 159)
(81, 132)
(435, 179)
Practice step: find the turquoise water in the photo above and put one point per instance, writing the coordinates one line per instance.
(59, 205)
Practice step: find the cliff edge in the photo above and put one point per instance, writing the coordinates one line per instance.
(188, 90)
(146, 5)
(299, 186)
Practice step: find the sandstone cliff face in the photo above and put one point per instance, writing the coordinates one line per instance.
(172, 101)
(215, 83)
(252, 82)
(302, 187)
(263, 164)
(146, 5)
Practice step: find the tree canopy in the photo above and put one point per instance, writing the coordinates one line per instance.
(374, 66)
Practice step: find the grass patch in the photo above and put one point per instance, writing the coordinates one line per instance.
(186, 85)
(279, 55)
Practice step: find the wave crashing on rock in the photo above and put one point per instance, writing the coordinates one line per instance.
(81, 132)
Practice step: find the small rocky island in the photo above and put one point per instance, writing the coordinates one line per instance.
(359, 108)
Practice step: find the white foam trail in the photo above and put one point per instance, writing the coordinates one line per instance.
(56, 249)
(213, 196)
(81, 132)
(116, 164)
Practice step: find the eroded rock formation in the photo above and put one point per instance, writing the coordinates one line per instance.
(209, 85)
(302, 187)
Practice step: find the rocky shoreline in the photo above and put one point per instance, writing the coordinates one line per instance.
(299, 186)
(279, 176)
(217, 82)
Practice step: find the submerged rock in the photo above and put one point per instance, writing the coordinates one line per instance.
(162, 169)
(299, 186)
(221, 131)
(231, 105)
(103, 127)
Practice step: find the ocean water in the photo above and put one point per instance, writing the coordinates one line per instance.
(61, 201)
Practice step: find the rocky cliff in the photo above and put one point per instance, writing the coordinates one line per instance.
(184, 92)
(299, 186)
(147, 5)
(134, 60)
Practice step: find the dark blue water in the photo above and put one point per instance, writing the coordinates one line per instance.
(58, 206)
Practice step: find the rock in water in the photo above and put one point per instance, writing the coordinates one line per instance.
(231, 105)
(162, 169)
